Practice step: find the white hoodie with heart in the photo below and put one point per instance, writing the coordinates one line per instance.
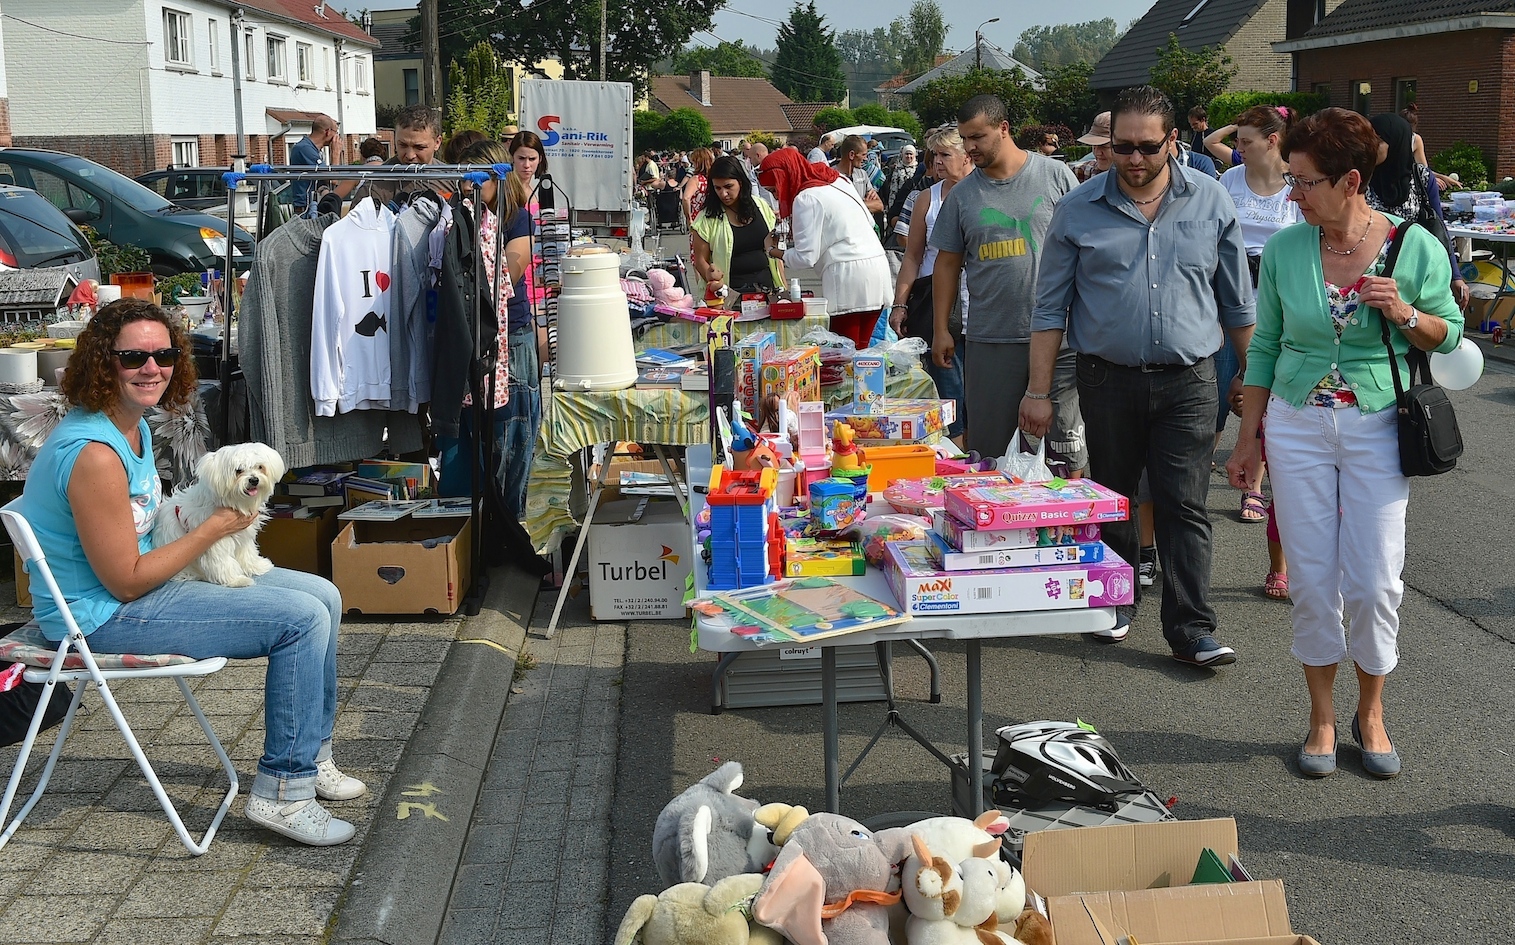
(349, 342)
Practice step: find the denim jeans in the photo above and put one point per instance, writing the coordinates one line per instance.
(949, 384)
(1165, 422)
(288, 616)
(523, 416)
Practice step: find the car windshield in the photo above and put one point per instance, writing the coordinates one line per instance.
(36, 229)
(117, 185)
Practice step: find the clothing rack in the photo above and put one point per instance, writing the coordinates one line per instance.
(482, 383)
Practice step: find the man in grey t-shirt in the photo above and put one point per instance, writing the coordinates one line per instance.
(993, 222)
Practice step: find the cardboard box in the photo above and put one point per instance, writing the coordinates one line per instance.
(301, 544)
(868, 380)
(903, 421)
(1125, 857)
(797, 368)
(1489, 310)
(922, 588)
(639, 560)
(388, 568)
(751, 351)
(1210, 913)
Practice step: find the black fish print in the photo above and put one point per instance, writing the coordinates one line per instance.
(371, 325)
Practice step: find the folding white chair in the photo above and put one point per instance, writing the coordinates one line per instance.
(73, 661)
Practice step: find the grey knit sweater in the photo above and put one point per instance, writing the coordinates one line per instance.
(411, 333)
(274, 328)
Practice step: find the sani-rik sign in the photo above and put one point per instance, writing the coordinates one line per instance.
(639, 560)
(585, 129)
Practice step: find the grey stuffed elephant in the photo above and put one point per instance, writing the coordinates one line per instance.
(708, 833)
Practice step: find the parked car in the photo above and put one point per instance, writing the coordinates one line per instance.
(123, 211)
(34, 234)
(204, 189)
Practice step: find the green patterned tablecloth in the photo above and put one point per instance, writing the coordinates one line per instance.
(673, 334)
(573, 421)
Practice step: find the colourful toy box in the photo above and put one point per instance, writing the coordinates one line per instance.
(797, 368)
(947, 558)
(962, 537)
(1017, 505)
(823, 557)
(922, 589)
(835, 503)
(869, 372)
(751, 352)
(746, 540)
(904, 421)
(921, 495)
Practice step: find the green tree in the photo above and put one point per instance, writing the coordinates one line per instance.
(809, 66)
(870, 114)
(937, 102)
(1191, 76)
(1047, 47)
(478, 94)
(829, 118)
(728, 59)
(925, 29)
(461, 25)
(684, 129)
(1067, 97)
(871, 57)
(646, 131)
(906, 122)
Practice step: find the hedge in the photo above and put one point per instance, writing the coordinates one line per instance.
(1224, 108)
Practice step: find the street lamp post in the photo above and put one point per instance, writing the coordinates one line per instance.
(978, 43)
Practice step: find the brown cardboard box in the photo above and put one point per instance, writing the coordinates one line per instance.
(1482, 310)
(23, 584)
(383, 567)
(1105, 884)
(301, 544)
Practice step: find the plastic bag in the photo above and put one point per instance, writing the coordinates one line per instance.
(1020, 463)
(877, 530)
(828, 341)
(902, 354)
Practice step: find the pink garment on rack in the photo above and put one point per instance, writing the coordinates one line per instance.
(487, 230)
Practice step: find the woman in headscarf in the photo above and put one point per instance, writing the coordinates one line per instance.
(831, 231)
(1401, 187)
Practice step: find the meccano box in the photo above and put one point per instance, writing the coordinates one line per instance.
(921, 588)
(902, 421)
(949, 559)
(301, 544)
(797, 369)
(965, 538)
(409, 566)
(639, 560)
(869, 372)
(1019, 505)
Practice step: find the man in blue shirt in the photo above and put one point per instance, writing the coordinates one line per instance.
(307, 152)
(1144, 269)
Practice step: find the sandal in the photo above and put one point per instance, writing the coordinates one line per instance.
(1254, 508)
(1276, 585)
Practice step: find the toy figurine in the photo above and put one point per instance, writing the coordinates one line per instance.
(844, 453)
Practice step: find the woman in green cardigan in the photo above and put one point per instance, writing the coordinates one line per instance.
(727, 242)
(1318, 367)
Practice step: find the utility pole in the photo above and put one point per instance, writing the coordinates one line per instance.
(603, 40)
(431, 56)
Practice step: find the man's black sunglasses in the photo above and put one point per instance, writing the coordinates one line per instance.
(1147, 149)
(132, 359)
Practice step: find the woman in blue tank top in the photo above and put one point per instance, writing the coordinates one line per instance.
(92, 496)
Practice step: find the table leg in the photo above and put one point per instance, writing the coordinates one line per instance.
(721, 666)
(596, 488)
(936, 672)
(679, 485)
(829, 728)
(975, 730)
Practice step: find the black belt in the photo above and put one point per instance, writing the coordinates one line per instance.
(1143, 368)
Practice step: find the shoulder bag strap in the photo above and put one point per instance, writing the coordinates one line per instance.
(1411, 361)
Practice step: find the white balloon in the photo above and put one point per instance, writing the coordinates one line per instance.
(1459, 368)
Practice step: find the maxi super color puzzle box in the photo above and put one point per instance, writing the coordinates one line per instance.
(922, 589)
(1019, 505)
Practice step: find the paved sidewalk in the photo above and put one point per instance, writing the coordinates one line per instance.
(96, 861)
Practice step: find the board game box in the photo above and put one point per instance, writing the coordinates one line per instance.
(964, 538)
(950, 559)
(923, 589)
(1019, 505)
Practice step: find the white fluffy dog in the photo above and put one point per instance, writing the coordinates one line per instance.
(240, 477)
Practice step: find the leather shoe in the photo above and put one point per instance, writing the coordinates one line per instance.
(1380, 764)
(1317, 765)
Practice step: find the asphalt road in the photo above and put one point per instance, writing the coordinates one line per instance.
(1424, 858)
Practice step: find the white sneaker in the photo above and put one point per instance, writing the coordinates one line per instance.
(305, 821)
(333, 785)
(1115, 634)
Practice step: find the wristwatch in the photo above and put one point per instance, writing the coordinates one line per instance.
(1413, 320)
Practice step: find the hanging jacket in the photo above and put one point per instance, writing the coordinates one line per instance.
(412, 307)
(349, 365)
(460, 326)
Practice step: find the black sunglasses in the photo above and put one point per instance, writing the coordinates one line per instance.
(1147, 149)
(132, 359)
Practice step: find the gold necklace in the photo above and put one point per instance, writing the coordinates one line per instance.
(1337, 252)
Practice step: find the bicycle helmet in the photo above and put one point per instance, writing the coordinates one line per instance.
(1039, 762)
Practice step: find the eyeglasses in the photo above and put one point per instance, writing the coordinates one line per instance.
(1304, 184)
(1147, 149)
(133, 359)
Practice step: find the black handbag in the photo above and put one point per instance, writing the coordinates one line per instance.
(1429, 440)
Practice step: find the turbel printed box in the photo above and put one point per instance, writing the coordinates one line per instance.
(965, 538)
(921, 588)
(639, 560)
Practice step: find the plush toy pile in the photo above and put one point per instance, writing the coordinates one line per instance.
(741, 873)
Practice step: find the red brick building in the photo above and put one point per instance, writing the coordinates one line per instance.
(1454, 58)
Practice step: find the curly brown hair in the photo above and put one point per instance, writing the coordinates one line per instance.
(90, 380)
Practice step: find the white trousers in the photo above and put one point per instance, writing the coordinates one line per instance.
(1340, 500)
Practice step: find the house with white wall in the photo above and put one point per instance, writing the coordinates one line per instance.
(141, 84)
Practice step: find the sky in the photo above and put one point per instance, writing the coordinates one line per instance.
(758, 27)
